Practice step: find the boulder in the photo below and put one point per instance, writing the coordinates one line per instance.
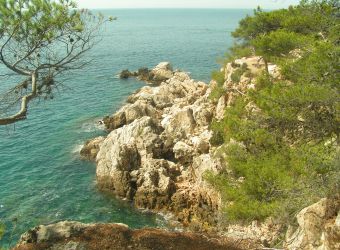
(182, 76)
(164, 66)
(181, 124)
(53, 232)
(138, 110)
(121, 153)
(204, 163)
(274, 70)
(196, 206)
(125, 74)
(183, 152)
(203, 114)
(129, 113)
(319, 227)
(154, 185)
(201, 143)
(91, 148)
(220, 108)
(116, 121)
(162, 72)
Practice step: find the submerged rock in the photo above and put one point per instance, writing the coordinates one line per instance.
(125, 74)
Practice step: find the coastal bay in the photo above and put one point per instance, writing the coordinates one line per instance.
(43, 179)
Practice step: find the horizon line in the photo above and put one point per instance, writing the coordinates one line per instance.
(177, 8)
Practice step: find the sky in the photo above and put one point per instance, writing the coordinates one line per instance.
(106, 4)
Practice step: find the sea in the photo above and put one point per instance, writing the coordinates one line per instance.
(42, 178)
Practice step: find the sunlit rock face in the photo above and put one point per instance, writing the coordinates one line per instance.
(318, 227)
(159, 147)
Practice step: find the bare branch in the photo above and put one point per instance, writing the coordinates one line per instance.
(21, 114)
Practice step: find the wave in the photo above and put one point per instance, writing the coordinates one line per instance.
(92, 126)
(77, 148)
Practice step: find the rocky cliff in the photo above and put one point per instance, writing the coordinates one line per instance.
(158, 150)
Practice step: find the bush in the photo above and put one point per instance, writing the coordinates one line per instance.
(218, 90)
(216, 93)
(279, 43)
(217, 138)
(218, 76)
(236, 75)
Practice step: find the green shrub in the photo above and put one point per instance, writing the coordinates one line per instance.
(247, 210)
(217, 138)
(218, 76)
(236, 75)
(279, 43)
(244, 67)
(217, 91)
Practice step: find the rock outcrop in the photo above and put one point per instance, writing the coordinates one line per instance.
(319, 227)
(162, 72)
(68, 235)
(158, 150)
(240, 76)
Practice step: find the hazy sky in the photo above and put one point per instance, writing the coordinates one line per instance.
(267, 4)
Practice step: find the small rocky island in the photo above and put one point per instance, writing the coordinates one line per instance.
(156, 155)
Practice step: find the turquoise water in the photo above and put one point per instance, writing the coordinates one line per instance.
(42, 179)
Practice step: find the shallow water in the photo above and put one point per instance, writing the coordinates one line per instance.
(42, 179)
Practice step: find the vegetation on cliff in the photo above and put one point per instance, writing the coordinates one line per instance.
(280, 139)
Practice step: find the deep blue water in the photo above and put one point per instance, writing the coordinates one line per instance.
(42, 179)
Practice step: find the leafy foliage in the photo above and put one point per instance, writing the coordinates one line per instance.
(218, 76)
(236, 75)
(278, 43)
